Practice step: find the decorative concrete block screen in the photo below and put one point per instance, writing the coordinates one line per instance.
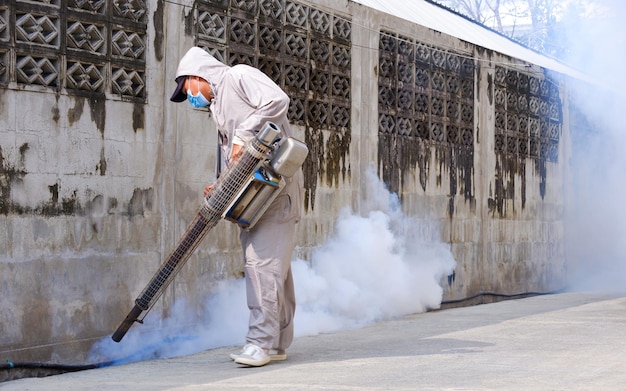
(95, 46)
(425, 98)
(303, 49)
(528, 115)
(425, 92)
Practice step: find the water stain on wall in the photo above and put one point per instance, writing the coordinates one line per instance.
(528, 126)
(506, 171)
(400, 156)
(9, 174)
(56, 113)
(489, 88)
(67, 206)
(540, 168)
(139, 116)
(97, 107)
(74, 113)
(141, 201)
(70, 205)
(510, 169)
(459, 162)
(313, 165)
(328, 160)
(101, 167)
(159, 34)
(337, 163)
(189, 20)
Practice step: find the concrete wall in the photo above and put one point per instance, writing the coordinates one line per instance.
(97, 183)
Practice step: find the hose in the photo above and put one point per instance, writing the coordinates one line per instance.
(53, 366)
(500, 295)
(65, 368)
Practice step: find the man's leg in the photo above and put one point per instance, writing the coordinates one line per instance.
(268, 249)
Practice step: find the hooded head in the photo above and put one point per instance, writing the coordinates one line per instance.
(198, 62)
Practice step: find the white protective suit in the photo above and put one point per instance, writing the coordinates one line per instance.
(244, 100)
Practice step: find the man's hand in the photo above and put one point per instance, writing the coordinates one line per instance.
(236, 153)
(209, 189)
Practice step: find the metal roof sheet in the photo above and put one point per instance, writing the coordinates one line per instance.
(441, 19)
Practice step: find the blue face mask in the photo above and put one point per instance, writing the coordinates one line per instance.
(198, 101)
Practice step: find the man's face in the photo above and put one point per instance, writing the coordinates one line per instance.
(195, 84)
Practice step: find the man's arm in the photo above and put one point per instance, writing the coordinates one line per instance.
(234, 156)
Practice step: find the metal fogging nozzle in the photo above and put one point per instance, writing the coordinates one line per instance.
(269, 134)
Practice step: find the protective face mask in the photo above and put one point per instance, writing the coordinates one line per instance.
(197, 101)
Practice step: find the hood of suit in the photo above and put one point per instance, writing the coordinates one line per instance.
(198, 62)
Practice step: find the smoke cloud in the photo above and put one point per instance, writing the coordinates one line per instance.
(379, 264)
(596, 217)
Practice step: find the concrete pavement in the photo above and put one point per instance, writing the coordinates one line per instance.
(567, 341)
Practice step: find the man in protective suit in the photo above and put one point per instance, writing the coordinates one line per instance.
(242, 100)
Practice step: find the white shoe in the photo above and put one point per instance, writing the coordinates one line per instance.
(233, 356)
(253, 356)
(275, 354)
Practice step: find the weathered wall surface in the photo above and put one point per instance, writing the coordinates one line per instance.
(100, 174)
(473, 142)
